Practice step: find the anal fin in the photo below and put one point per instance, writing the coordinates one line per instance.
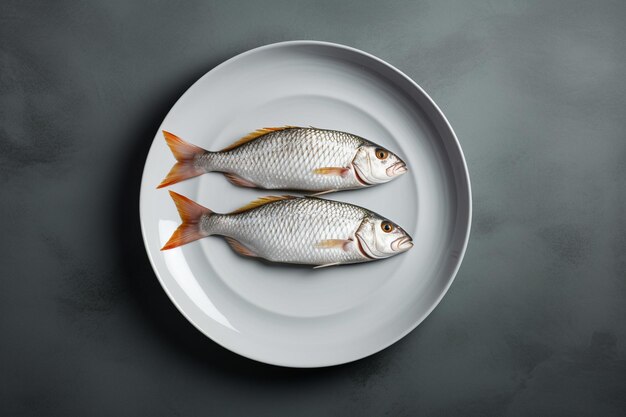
(326, 265)
(319, 193)
(239, 181)
(240, 248)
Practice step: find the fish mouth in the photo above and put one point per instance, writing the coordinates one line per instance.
(402, 244)
(398, 168)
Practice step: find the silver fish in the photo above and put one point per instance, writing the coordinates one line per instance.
(290, 158)
(294, 230)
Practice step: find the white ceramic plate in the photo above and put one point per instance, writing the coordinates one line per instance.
(297, 316)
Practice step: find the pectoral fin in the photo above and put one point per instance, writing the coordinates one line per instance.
(240, 248)
(334, 243)
(338, 171)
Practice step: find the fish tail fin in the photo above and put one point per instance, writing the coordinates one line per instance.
(191, 214)
(185, 154)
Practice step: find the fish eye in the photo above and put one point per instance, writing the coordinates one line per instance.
(381, 153)
(387, 226)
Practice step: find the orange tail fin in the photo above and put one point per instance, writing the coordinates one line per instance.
(190, 213)
(185, 154)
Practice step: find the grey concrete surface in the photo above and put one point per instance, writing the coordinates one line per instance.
(535, 323)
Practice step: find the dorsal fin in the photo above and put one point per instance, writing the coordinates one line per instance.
(257, 133)
(261, 202)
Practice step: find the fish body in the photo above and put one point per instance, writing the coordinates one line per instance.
(290, 158)
(295, 230)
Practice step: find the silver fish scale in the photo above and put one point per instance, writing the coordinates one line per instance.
(290, 231)
(286, 159)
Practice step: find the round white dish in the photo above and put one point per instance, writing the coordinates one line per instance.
(293, 315)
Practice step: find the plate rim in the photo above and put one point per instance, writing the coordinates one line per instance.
(466, 178)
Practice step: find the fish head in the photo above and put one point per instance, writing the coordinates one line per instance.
(380, 238)
(374, 164)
